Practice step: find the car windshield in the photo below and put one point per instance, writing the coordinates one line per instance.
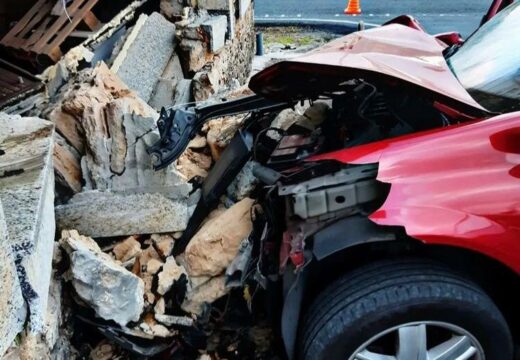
(488, 64)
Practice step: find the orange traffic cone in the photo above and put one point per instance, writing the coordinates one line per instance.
(353, 8)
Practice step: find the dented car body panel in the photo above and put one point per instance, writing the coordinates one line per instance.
(392, 53)
(457, 186)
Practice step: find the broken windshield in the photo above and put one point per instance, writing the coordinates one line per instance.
(488, 64)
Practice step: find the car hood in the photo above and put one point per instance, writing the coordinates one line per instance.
(394, 54)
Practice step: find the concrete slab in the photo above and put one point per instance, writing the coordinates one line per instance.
(12, 306)
(145, 54)
(27, 190)
(106, 214)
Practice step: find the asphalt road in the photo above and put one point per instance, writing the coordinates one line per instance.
(435, 15)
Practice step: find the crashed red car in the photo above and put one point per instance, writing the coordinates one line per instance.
(388, 227)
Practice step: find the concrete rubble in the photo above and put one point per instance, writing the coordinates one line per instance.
(111, 290)
(216, 243)
(171, 272)
(77, 183)
(204, 294)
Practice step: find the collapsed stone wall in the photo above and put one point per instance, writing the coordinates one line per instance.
(81, 147)
(233, 64)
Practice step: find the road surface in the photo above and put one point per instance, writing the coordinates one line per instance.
(435, 15)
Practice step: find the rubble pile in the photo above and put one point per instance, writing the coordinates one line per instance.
(137, 283)
(87, 226)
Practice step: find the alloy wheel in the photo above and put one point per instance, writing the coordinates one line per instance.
(421, 341)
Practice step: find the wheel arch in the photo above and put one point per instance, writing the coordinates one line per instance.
(378, 243)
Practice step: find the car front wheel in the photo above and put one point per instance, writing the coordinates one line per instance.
(405, 310)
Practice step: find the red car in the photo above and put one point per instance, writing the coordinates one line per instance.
(389, 228)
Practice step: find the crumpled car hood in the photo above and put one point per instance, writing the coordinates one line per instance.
(388, 53)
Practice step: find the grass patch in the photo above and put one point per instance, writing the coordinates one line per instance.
(283, 39)
(290, 39)
(305, 40)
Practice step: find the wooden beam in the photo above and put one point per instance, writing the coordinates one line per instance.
(20, 25)
(76, 19)
(91, 21)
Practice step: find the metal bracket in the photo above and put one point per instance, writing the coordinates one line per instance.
(178, 126)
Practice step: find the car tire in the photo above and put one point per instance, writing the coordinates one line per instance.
(384, 295)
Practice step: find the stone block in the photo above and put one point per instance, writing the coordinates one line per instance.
(216, 28)
(183, 93)
(243, 7)
(216, 4)
(198, 297)
(164, 94)
(195, 54)
(172, 9)
(233, 61)
(127, 249)
(166, 88)
(171, 272)
(194, 31)
(54, 316)
(117, 127)
(27, 190)
(130, 163)
(61, 75)
(216, 244)
(105, 214)
(145, 54)
(112, 291)
(244, 183)
(232, 23)
(69, 128)
(12, 307)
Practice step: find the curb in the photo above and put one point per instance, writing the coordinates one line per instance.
(334, 26)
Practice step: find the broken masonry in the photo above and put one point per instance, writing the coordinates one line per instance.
(75, 139)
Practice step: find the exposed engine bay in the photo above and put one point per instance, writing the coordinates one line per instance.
(297, 200)
(356, 112)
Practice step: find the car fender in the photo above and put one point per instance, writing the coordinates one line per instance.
(456, 186)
